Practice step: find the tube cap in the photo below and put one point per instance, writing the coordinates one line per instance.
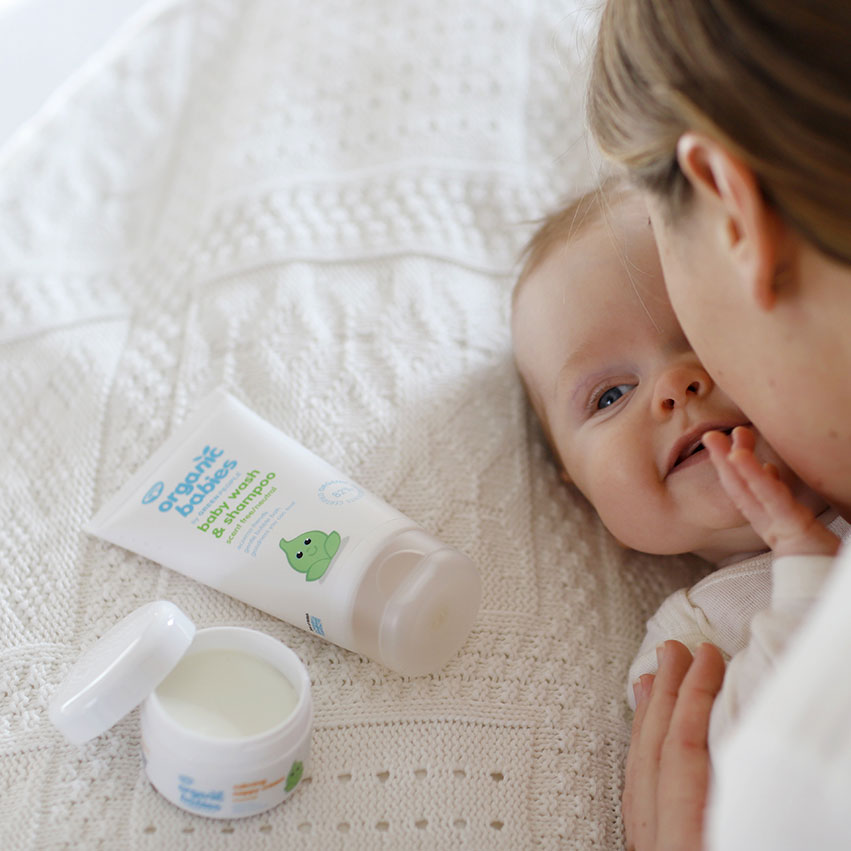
(431, 611)
(120, 670)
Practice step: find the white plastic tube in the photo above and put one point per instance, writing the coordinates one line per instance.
(233, 502)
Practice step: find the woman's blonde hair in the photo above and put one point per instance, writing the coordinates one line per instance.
(769, 79)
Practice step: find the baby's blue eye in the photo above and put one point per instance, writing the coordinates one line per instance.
(613, 394)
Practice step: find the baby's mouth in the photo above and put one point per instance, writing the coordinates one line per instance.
(695, 445)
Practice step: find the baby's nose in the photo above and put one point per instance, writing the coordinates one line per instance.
(678, 385)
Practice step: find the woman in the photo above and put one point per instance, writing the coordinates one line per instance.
(734, 116)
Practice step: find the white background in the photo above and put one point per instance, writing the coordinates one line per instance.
(42, 42)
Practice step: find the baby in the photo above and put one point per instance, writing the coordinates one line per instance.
(625, 404)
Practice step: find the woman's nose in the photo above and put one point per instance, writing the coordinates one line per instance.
(678, 385)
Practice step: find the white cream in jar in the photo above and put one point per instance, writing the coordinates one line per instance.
(226, 715)
(226, 694)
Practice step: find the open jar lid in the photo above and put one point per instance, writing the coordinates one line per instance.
(120, 670)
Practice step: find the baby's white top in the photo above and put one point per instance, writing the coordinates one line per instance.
(748, 610)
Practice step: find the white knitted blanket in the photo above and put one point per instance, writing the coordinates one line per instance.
(319, 206)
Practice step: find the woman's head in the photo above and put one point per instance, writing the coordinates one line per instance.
(734, 117)
(767, 78)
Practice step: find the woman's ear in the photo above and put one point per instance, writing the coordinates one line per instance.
(749, 230)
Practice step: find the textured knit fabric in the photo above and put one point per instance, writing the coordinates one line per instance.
(783, 778)
(319, 206)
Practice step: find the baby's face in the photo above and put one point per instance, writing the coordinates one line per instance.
(624, 396)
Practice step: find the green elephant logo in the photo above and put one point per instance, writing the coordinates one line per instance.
(311, 553)
(294, 776)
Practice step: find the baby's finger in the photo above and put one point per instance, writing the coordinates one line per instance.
(773, 494)
(717, 442)
(789, 527)
(743, 438)
(734, 483)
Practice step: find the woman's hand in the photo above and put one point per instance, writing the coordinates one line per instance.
(667, 770)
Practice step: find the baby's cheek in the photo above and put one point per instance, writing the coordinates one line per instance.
(629, 511)
(632, 530)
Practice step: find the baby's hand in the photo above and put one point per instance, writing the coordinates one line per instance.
(767, 503)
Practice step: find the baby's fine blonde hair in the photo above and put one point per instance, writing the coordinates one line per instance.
(566, 223)
(553, 231)
(769, 79)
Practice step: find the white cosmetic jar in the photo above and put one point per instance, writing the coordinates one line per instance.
(227, 712)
